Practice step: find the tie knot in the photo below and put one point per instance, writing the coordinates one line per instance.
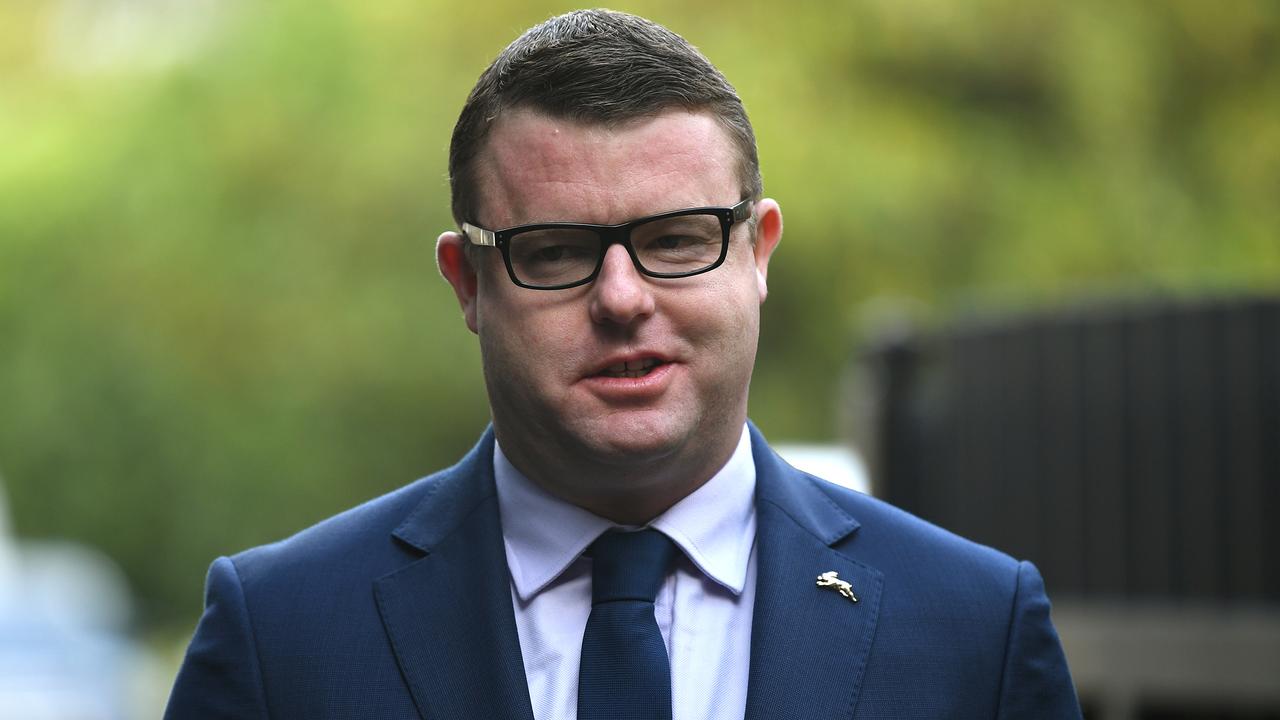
(629, 565)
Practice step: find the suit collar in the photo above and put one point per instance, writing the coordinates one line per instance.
(809, 644)
(797, 495)
(451, 499)
(448, 612)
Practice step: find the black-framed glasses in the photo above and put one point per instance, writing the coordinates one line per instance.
(554, 256)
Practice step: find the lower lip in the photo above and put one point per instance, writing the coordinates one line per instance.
(633, 389)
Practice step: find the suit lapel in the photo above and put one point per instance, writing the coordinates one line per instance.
(448, 613)
(809, 644)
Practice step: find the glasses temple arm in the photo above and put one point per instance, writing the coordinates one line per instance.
(479, 236)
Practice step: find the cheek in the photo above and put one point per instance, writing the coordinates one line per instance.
(736, 304)
(723, 326)
(525, 338)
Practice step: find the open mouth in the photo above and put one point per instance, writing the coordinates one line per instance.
(631, 368)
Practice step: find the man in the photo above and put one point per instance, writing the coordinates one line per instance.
(612, 256)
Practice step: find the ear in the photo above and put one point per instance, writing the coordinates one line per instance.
(451, 258)
(768, 233)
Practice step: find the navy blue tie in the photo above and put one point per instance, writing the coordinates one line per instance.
(625, 673)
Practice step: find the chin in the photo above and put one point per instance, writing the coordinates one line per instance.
(634, 441)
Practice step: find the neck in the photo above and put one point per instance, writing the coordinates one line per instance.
(624, 490)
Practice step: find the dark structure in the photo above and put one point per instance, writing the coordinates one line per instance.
(1133, 453)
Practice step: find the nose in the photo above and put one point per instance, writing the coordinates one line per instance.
(620, 295)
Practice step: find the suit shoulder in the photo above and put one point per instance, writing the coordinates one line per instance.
(357, 538)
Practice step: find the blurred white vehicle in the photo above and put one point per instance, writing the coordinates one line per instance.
(64, 651)
(838, 463)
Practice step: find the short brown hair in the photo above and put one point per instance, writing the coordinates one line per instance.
(596, 66)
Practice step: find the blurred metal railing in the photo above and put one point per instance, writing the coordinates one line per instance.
(1131, 452)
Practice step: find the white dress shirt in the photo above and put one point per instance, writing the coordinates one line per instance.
(703, 609)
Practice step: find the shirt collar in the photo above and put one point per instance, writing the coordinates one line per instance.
(715, 525)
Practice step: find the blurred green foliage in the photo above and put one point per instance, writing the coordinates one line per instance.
(220, 319)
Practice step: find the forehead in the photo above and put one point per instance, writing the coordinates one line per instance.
(538, 168)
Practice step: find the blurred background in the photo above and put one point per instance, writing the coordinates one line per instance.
(220, 318)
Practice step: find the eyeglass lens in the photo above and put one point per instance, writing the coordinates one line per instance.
(684, 244)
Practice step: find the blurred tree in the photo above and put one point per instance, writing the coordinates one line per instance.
(219, 314)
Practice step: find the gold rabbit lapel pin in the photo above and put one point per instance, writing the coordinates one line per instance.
(831, 579)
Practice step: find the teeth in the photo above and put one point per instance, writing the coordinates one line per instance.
(631, 368)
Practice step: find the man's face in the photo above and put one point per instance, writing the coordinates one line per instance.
(553, 359)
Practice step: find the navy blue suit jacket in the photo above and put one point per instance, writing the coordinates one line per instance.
(401, 608)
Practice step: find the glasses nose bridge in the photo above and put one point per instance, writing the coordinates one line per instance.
(618, 235)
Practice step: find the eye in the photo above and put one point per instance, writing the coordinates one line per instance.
(554, 246)
(563, 253)
(551, 253)
(674, 242)
(678, 245)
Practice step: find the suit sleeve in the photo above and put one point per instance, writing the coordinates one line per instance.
(220, 676)
(1036, 682)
